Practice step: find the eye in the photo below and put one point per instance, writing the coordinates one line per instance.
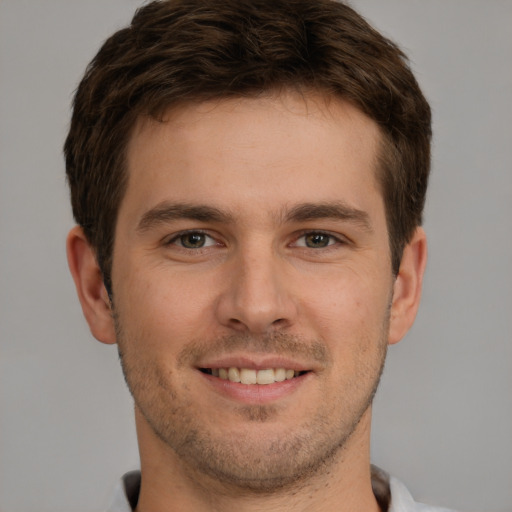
(193, 240)
(316, 240)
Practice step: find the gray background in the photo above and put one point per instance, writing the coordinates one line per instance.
(443, 416)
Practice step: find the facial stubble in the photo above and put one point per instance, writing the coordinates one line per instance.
(274, 460)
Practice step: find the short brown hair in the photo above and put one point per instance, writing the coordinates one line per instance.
(177, 51)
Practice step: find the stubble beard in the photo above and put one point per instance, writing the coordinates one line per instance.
(237, 460)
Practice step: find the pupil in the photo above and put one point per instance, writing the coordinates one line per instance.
(317, 240)
(193, 240)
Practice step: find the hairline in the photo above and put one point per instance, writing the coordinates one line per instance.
(164, 111)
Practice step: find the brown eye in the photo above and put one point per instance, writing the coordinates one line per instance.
(192, 240)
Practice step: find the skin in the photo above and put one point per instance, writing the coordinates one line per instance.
(253, 233)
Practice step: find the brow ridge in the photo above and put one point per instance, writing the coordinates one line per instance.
(304, 212)
(167, 212)
(332, 210)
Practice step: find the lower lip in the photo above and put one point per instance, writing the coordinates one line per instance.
(256, 393)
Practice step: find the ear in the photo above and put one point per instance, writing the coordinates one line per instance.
(89, 286)
(407, 287)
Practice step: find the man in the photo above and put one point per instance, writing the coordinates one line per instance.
(248, 180)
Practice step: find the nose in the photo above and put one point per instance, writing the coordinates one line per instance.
(257, 295)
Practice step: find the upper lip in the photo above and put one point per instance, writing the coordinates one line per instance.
(255, 362)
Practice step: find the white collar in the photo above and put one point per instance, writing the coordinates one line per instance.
(387, 490)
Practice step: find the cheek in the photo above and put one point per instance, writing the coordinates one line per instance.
(348, 290)
(349, 311)
(164, 308)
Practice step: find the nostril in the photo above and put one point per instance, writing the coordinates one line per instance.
(237, 325)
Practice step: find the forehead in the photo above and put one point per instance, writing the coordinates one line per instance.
(285, 148)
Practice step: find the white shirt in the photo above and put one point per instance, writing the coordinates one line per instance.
(387, 490)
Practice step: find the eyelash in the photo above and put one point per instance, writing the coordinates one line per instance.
(176, 238)
(333, 240)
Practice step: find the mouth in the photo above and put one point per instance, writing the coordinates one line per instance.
(250, 376)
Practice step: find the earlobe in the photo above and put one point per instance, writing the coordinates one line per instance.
(89, 286)
(408, 286)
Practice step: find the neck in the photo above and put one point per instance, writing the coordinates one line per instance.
(343, 484)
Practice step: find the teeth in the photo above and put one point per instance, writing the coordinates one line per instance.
(249, 376)
(280, 374)
(234, 375)
(265, 377)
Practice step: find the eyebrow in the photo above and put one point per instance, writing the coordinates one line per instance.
(337, 210)
(167, 212)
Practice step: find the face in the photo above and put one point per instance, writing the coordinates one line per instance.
(252, 284)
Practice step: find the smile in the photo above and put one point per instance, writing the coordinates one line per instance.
(251, 376)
